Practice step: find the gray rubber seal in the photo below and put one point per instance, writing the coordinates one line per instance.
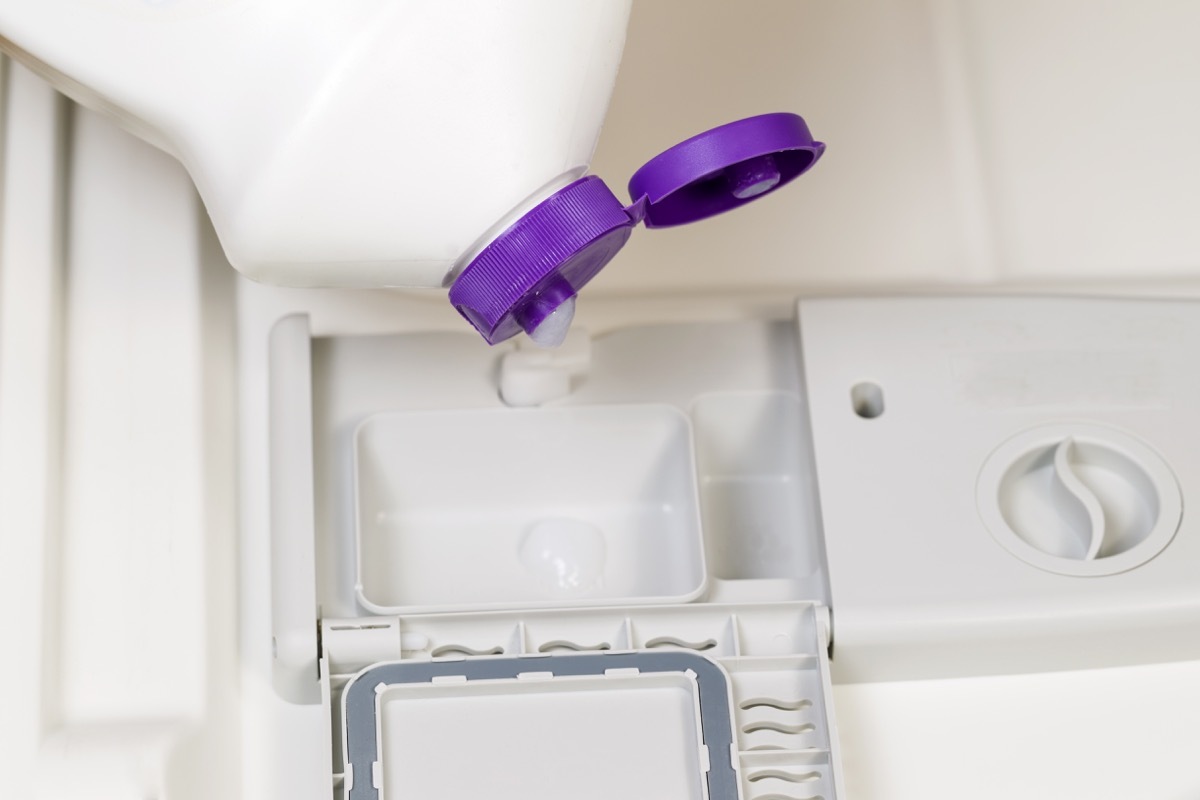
(716, 724)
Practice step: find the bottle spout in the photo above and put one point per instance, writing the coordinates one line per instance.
(552, 330)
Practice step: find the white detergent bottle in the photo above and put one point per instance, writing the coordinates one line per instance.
(384, 143)
(364, 143)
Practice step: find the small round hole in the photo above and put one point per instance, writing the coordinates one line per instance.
(867, 400)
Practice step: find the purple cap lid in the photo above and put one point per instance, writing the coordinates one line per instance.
(723, 168)
(544, 258)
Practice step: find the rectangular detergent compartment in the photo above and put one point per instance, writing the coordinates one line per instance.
(621, 591)
(610, 732)
(557, 506)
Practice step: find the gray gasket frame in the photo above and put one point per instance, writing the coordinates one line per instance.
(360, 708)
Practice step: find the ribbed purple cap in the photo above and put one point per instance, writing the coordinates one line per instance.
(544, 258)
(549, 254)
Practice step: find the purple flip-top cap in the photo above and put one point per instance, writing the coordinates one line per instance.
(544, 258)
(723, 168)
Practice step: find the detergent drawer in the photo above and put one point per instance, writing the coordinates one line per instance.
(505, 568)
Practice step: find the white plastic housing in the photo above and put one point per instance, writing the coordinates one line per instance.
(343, 144)
(949, 540)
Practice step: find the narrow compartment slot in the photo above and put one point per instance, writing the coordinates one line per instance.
(442, 651)
(809, 757)
(757, 492)
(571, 646)
(463, 636)
(775, 703)
(784, 775)
(713, 636)
(558, 635)
(776, 775)
(699, 645)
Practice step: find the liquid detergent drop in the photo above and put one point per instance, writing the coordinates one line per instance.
(751, 178)
(565, 555)
(552, 331)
